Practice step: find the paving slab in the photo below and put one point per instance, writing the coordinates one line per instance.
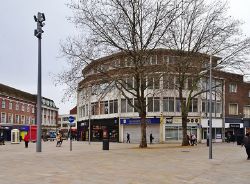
(123, 164)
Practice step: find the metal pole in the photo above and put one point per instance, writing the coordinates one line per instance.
(39, 19)
(70, 138)
(89, 120)
(39, 89)
(210, 108)
(89, 112)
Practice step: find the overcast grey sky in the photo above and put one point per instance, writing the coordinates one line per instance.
(18, 45)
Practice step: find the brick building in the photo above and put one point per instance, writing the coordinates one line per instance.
(18, 111)
(237, 104)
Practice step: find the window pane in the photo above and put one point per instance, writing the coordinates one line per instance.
(130, 83)
(135, 104)
(233, 109)
(150, 104)
(129, 107)
(178, 105)
(218, 107)
(190, 83)
(165, 104)
(232, 88)
(115, 106)
(156, 104)
(101, 107)
(171, 104)
(150, 82)
(195, 105)
(246, 111)
(123, 105)
(111, 106)
(106, 107)
(156, 82)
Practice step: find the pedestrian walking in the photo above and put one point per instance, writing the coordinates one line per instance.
(193, 140)
(128, 138)
(151, 138)
(26, 140)
(59, 140)
(246, 143)
(208, 137)
(2, 139)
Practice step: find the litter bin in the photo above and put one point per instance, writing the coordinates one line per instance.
(105, 144)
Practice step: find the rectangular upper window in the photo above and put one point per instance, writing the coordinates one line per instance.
(168, 104)
(233, 109)
(246, 111)
(232, 88)
(3, 117)
(17, 106)
(10, 105)
(3, 104)
(23, 107)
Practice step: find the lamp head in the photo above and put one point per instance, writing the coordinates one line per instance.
(40, 17)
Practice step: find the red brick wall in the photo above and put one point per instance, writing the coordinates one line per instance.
(14, 111)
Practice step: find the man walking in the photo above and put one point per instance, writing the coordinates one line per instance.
(128, 138)
(246, 143)
(151, 138)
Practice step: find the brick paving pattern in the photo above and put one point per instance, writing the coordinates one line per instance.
(123, 164)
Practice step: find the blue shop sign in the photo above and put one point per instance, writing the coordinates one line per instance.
(137, 121)
(24, 128)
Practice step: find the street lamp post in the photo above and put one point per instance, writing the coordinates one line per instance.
(39, 19)
(210, 108)
(89, 113)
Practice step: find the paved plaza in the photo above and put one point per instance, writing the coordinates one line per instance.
(123, 164)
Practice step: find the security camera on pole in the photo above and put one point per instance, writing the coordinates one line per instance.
(39, 19)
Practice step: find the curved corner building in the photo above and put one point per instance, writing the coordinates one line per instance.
(111, 115)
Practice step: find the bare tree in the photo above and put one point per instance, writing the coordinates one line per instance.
(193, 29)
(133, 27)
(203, 27)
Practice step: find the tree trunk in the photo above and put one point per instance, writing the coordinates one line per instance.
(185, 141)
(143, 143)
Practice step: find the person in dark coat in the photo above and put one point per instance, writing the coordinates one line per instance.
(1, 139)
(151, 138)
(246, 143)
(128, 138)
(26, 140)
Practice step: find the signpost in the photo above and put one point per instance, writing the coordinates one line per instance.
(71, 120)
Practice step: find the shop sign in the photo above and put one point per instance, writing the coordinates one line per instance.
(231, 125)
(137, 121)
(218, 136)
(24, 128)
(169, 120)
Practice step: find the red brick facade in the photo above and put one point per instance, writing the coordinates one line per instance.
(240, 96)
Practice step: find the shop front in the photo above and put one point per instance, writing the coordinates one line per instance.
(132, 126)
(234, 130)
(5, 131)
(246, 122)
(216, 129)
(99, 128)
(174, 130)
